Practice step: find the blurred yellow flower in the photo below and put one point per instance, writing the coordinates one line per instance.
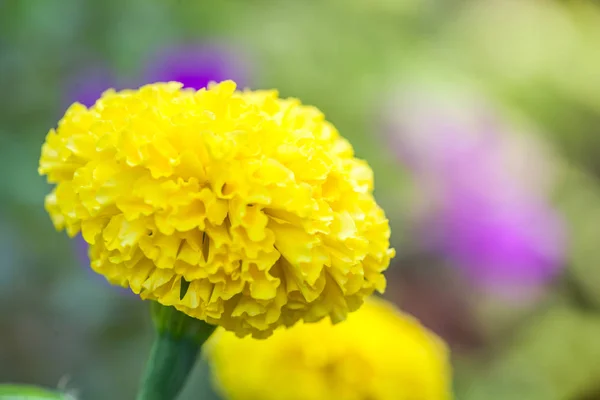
(238, 208)
(377, 354)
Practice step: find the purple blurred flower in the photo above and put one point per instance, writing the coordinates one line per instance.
(500, 244)
(196, 65)
(489, 214)
(88, 85)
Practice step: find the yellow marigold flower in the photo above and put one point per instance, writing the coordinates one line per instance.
(377, 354)
(238, 208)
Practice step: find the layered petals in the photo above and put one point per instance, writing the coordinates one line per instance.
(237, 208)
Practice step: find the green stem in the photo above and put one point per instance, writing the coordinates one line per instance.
(168, 367)
(174, 353)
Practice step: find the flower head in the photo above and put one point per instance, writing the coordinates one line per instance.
(238, 208)
(377, 354)
(489, 213)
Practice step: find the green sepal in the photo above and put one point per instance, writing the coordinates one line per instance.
(168, 320)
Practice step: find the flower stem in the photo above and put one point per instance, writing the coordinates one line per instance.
(174, 353)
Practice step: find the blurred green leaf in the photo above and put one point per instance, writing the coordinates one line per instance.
(22, 392)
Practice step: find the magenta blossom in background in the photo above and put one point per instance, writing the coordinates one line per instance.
(487, 210)
(196, 65)
(192, 65)
(496, 244)
(88, 85)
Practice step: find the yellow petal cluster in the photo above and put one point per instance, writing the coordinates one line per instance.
(377, 354)
(237, 207)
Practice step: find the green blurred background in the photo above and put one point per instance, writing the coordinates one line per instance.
(536, 62)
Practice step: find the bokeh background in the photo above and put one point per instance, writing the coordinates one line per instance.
(480, 119)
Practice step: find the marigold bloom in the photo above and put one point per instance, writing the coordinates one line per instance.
(377, 354)
(238, 208)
